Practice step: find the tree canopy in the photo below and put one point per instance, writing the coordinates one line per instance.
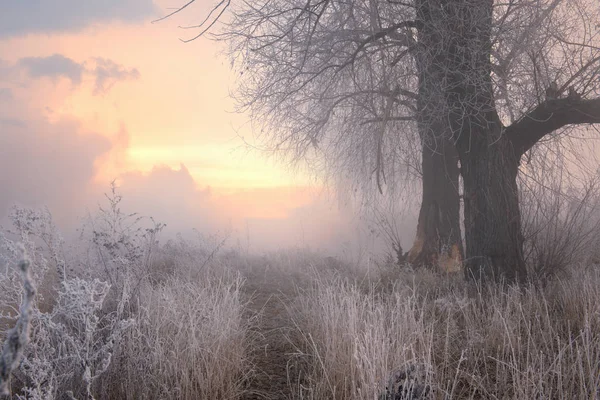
(364, 88)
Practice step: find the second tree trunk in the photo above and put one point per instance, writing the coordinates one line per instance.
(438, 242)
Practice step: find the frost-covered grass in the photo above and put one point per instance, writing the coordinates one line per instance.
(189, 342)
(119, 316)
(466, 342)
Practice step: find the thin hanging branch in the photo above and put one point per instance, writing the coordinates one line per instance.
(206, 24)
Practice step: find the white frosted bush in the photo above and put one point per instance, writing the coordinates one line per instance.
(73, 339)
(34, 232)
(120, 245)
(73, 344)
(17, 337)
(112, 325)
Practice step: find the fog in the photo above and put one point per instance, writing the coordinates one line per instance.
(72, 114)
(56, 165)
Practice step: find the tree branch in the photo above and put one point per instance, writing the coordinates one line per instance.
(550, 116)
(183, 7)
(380, 35)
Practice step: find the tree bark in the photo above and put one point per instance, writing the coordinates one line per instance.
(550, 116)
(454, 54)
(494, 239)
(489, 163)
(438, 242)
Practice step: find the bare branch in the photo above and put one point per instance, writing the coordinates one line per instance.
(225, 4)
(176, 11)
(205, 25)
(550, 116)
(377, 36)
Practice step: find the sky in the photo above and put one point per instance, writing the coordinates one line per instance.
(93, 91)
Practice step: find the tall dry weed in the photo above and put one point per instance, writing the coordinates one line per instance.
(468, 342)
(189, 343)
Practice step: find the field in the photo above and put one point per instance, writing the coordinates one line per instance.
(124, 316)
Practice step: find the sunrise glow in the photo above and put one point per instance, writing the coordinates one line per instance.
(166, 103)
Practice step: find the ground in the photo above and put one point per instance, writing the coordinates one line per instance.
(273, 353)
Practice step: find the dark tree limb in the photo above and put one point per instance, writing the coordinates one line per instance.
(550, 116)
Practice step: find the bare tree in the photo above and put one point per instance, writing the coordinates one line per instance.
(541, 59)
(336, 85)
(360, 88)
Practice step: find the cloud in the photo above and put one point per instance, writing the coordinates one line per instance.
(5, 69)
(12, 123)
(47, 164)
(42, 16)
(53, 67)
(107, 73)
(170, 196)
(56, 165)
(6, 94)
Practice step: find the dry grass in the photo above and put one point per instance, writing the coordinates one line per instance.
(468, 342)
(134, 320)
(178, 325)
(354, 329)
(189, 343)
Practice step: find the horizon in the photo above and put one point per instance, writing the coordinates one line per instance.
(103, 94)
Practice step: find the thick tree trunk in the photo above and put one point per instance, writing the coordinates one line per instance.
(459, 36)
(453, 59)
(438, 243)
(494, 240)
(489, 162)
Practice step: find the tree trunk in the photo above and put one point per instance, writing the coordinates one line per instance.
(438, 242)
(494, 239)
(489, 164)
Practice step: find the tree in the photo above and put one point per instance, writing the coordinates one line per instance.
(335, 83)
(489, 151)
(367, 84)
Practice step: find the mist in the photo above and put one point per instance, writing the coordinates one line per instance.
(291, 199)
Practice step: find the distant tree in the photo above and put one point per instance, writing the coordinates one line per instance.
(362, 88)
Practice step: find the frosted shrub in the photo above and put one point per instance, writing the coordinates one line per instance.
(35, 232)
(195, 258)
(73, 344)
(112, 324)
(561, 225)
(120, 246)
(73, 337)
(18, 336)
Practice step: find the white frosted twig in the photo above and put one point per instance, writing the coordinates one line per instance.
(19, 335)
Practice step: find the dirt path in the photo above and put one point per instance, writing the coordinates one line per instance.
(272, 354)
